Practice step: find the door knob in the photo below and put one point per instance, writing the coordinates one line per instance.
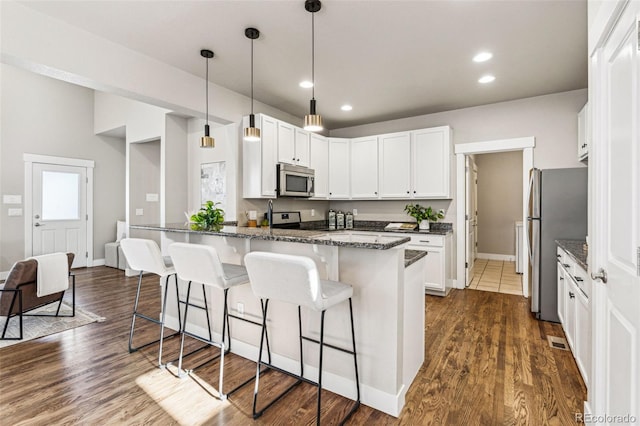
(600, 275)
(38, 224)
(37, 216)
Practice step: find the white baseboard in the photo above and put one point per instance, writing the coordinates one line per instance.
(4, 275)
(388, 403)
(98, 262)
(493, 256)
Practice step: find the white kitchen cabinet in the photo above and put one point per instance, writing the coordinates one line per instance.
(582, 341)
(259, 160)
(574, 310)
(319, 161)
(286, 143)
(431, 163)
(438, 273)
(584, 132)
(364, 168)
(395, 165)
(339, 164)
(569, 324)
(562, 288)
(302, 139)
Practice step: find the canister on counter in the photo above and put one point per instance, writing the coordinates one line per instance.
(348, 220)
(340, 220)
(332, 219)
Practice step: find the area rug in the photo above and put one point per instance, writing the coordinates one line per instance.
(34, 327)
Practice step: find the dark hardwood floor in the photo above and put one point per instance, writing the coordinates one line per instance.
(487, 362)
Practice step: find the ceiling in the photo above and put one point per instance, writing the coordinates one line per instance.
(388, 59)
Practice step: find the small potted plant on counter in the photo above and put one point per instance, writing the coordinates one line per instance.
(209, 217)
(423, 215)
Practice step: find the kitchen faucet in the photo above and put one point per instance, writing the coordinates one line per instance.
(270, 213)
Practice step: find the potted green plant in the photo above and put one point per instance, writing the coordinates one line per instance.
(423, 215)
(209, 217)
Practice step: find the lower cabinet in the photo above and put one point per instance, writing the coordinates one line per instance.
(574, 310)
(438, 267)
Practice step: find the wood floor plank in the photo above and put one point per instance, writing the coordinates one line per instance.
(486, 362)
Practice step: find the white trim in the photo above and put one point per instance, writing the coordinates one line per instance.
(29, 160)
(61, 161)
(97, 262)
(494, 256)
(603, 23)
(526, 145)
(500, 145)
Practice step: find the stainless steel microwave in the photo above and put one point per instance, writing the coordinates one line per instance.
(295, 181)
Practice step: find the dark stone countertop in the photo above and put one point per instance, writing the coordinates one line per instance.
(412, 256)
(575, 248)
(438, 228)
(289, 235)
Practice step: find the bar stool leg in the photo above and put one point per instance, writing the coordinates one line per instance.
(355, 358)
(300, 336)
(265, 305)
(320, 366)
(206, 311)
(135, 312)
(164, 314)
(178, 303)
(184, 326)
(225, 321)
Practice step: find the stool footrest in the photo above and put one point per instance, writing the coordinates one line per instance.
(328, 345)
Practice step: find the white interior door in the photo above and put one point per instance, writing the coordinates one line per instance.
(616, 162)
(471, 217)
(59, 219)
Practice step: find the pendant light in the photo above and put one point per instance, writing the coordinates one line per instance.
(313, 121)
(252, 133)
(207, 141)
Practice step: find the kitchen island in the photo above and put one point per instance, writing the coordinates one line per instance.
(388, 304)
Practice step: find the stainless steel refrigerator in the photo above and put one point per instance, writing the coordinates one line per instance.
(557, 210)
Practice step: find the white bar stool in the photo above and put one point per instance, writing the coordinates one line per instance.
(145, 256)
(295, 279)
(201, 264)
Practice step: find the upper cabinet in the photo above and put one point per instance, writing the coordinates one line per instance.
(302, 138)
(584, 132)
(364, 167)
(259, 160)
(319, 161)
(395, 161)
(404, 165)
(293, 145)
(339, 163)
(431, 163)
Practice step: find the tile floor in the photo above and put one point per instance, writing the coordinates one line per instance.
(497, 276)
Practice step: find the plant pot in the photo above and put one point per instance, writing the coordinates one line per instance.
(423, 225)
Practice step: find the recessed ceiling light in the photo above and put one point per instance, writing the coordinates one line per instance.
(306, 84)
(486, 79)
(482, 57)
(346, 107)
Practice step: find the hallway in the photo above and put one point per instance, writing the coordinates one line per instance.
(497, 276)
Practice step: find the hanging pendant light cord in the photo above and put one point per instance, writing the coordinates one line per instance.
(251, 76)
(313, 56)
(206, 85)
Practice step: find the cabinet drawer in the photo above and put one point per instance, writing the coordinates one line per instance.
(580, 277)
(561, 255)
(427, 240)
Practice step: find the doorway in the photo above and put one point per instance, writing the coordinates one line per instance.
(59, 207)
(525, 146)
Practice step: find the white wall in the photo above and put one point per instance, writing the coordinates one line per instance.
(41, 115)
(145, 179)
